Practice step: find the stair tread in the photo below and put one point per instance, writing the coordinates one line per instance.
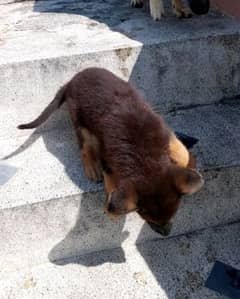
(48, 29)
(51, 168)
(163, 269)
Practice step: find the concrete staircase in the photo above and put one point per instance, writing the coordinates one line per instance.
(49, 212)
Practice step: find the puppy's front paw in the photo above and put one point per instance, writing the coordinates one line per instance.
(156, 9)
(137, 3)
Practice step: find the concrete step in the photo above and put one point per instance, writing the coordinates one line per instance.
(49, 211)
(173, 62)
(176, 268)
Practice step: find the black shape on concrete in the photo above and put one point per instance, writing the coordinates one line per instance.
(225, 280)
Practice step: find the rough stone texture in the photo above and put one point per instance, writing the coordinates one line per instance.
(49, 210)
(176, 268)
(173, 62)
(216, 127)
(49, 165)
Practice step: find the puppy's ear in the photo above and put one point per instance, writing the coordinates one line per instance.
(178, 152)
(120, 203)
(187, 181)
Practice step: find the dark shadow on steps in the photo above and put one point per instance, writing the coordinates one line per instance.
(155, 80)
(159, 63)
(60, 140)
(109, 12)
(91, 232)
(119, 16)
(181, 265)
(100, 11)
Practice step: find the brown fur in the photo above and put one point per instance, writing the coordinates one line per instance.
(145, 167)
(90, 156)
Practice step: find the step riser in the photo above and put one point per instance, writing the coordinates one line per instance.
(66, 227)
(212, 64)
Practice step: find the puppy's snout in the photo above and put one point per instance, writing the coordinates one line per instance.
(164, 229)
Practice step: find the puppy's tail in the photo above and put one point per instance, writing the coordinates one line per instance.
(54, 105)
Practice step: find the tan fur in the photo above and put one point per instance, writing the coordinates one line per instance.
(179, 10)
(178, 152)
(189, 182)
(110, 186)
(110, 182)
(90, 156)
(119, 133)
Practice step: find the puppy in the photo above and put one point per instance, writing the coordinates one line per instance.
(157, 7)
(123, 141)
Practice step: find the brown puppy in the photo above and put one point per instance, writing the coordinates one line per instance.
(145, 167)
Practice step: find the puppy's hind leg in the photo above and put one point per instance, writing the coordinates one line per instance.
(89, 149)
(156, 9)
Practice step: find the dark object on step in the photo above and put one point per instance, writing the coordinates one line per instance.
(199, 7)
(188, 141)
(225, 280)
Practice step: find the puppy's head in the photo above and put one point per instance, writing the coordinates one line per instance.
(159, 205)
(155, 198)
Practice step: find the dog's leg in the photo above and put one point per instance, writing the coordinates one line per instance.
(109, 182)
(110, 186)
(89, 149)
(179, 10)
(137, 3)
(156, 9)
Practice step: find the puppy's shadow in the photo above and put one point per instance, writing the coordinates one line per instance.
(92, 230)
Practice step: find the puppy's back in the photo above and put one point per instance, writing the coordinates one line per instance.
(96, 93)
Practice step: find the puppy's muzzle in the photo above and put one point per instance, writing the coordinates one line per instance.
(164, 229)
